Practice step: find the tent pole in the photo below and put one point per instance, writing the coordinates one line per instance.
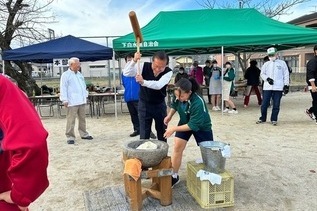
(222, 102)
(114, 84)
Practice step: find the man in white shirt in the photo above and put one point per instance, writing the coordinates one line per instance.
(275, 75)
(73, 95)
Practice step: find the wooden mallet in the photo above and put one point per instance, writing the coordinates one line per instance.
(137, 33)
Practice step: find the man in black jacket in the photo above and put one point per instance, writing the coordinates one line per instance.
(153, 78)
(311, 78)
(252, 74)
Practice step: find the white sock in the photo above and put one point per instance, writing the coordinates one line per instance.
(175, 175)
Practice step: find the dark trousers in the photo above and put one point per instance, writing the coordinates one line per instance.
(208, 95)
(148, 113)
(276, 98)
(257, 92)
(313, 109)
(133, 110)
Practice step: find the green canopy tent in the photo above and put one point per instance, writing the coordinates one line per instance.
(206, 31)
(211, 31)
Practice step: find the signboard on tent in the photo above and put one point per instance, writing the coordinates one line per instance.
(61, 64)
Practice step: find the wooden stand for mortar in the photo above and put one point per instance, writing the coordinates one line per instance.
(161, 187)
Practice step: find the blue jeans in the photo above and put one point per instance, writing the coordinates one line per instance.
(276, 98)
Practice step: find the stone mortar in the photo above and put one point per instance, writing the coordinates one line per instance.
(148, 157)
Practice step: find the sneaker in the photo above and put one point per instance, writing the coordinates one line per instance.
(87, 137)
(175, 181)
(233, 112)
(214, 108)
(274, 123)
(135, 133)
(311, 115)
(218, 109)
(245, 106)
(70, 142)
(259, 121)
(226, 110)
(152, 135)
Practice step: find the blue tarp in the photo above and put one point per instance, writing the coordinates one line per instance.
(64, 47)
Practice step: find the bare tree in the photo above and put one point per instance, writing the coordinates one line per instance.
(268, 7)
(22, 22)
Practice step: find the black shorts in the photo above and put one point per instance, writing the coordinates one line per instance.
(199, 135)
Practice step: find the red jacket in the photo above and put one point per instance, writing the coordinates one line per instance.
(24, 159)
(198, 74)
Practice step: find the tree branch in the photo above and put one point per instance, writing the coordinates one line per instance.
(23, 21)
(20, 15)
(267, 7)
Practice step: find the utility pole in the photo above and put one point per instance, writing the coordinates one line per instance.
(244, 55)
(109, 69)
(240, 4)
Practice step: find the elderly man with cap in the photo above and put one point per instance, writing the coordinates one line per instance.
(276, 80)
(311, 77)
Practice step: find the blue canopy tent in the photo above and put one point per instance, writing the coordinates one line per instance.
(63, 47)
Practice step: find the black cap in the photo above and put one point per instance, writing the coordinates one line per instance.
(315, 47)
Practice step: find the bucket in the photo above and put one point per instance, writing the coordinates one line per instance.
(212, 156)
